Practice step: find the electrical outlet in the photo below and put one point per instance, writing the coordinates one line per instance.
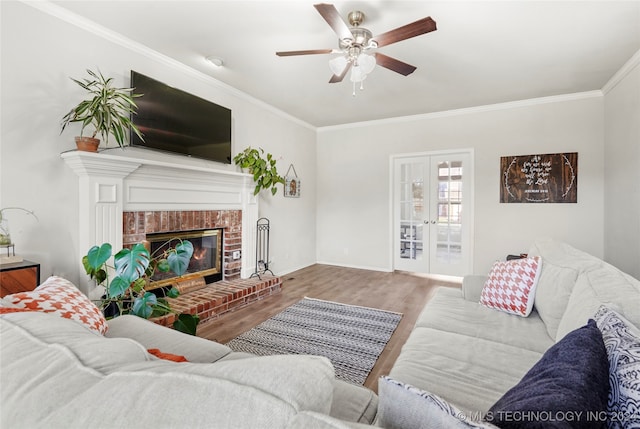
(236, 254)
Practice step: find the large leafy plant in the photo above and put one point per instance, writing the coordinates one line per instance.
(107, 109)
(265, 173)
(134, 267)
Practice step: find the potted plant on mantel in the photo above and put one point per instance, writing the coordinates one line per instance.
(265, 173)
(134, 267)
(108, 110)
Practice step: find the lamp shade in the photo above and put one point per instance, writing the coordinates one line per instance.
(367, 63)
(337, 65)
(357, 74)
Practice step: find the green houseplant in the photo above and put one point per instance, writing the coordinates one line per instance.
(265, 173)
(107, 109)
(126, 291)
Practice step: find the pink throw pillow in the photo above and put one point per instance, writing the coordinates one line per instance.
(511, 286)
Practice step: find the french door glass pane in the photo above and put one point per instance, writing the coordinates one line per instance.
(411, 210)
(449, 206)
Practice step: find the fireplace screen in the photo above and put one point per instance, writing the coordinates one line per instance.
(206, 259)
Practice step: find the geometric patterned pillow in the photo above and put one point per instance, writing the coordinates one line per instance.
(623, 351)
(403, 406)
(511, 285)
(60, 296)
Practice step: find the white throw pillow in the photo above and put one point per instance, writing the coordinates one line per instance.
(511, 285)
(402, 406)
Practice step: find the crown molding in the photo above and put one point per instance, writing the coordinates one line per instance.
(627, 68)
(85, 24)
(470, 110)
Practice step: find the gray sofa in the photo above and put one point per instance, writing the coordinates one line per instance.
(57, 373)
(470, 355)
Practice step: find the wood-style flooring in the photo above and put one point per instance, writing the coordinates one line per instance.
(400, 292)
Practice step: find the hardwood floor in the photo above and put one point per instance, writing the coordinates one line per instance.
(400, 292)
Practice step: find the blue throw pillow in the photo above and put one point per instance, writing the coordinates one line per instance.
(567, 388)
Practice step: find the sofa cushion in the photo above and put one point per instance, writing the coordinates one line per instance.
(448, 311)
(622, 342)
(263, 392)
(403, 406)
(601, 285)
(60, 296)
(511, 285)
(566, 388)
(91, 349)
(152, 336)
(471, 373)
(561, 265)
(353, 403)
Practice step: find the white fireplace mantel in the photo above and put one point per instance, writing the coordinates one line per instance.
(110, 184)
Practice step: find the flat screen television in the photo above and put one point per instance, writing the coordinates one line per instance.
(175, 121)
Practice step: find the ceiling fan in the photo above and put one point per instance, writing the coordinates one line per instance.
(355, 42)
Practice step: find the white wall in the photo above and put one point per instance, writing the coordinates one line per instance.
(39, 53)
(622, 169)
(353, 177)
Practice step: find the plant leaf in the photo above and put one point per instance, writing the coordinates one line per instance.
(186, 323)
(132, 263)
(143, 305)
(163, 266)
(173, 292)
(179, 261)
(97, 256)
(138, 285)
(118, 286)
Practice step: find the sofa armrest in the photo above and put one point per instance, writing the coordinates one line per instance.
(154, 336)
(472, 287)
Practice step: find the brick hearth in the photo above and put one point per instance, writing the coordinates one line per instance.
(219, 298)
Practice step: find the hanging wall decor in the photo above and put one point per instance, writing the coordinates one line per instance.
(291, 183)
(546, 178)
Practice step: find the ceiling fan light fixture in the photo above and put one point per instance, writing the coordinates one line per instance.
(367, 63)
(337, 65)
(357, 74)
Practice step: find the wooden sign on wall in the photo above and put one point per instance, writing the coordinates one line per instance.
(548, 178)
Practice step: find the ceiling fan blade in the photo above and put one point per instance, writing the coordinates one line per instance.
(422, 26)
(335, 21)
(393, 64)
(338, 78)
(308, 52)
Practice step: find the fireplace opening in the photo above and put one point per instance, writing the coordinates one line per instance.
(205, 263)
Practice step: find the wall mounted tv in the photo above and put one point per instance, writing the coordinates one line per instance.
(176, 121)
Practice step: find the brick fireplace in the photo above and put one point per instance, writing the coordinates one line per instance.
(138, 224)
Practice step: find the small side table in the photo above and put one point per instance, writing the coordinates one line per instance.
(19, 277)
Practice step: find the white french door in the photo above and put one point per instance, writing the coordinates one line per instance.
(432, 209)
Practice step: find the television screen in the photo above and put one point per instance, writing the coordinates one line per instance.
(176, 121)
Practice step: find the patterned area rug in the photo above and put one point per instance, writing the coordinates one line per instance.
(351, 337)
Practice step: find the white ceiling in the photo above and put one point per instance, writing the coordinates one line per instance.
(484, 52)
